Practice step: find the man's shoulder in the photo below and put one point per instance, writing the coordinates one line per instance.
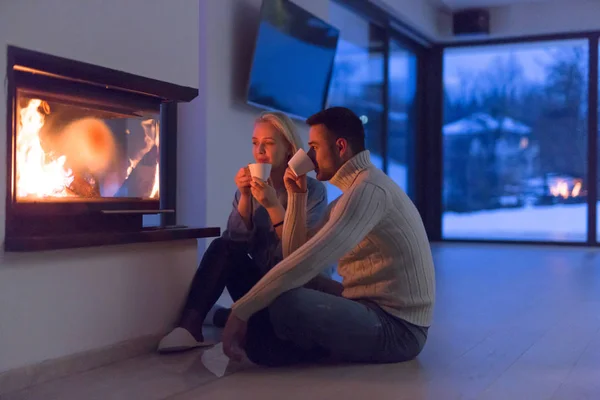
(379, 184)
(376, 177)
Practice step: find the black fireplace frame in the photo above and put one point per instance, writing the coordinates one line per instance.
(53, 225)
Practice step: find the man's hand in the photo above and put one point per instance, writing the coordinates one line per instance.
(294, 184)
(234, 338)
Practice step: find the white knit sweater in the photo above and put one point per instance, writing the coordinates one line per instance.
(374, 232)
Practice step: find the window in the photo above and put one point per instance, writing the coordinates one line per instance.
(515, 142)
(402, 113)
(357, 81)
(365, 52)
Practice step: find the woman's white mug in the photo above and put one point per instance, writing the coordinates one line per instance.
(260, 170)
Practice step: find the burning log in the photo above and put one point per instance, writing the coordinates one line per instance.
(83, 188)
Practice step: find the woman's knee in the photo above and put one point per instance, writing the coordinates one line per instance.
(219, 244)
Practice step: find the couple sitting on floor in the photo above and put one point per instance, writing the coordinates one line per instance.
(281, 240)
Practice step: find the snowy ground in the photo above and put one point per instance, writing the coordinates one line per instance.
(552, 223)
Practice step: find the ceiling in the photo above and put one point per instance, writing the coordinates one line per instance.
(461, 4)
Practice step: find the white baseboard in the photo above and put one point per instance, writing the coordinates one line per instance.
(24, 377)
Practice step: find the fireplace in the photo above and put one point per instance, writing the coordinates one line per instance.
(90, 151)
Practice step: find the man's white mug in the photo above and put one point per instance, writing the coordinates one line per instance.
(300, 163)
(260, 170)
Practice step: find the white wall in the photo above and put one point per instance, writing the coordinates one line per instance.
(230, 26)
(419, 14)
(536, 18)
(58, 303)
(546, 18)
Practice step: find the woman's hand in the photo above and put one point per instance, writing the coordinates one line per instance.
(294, 184)
(243, 180)
(264, 193)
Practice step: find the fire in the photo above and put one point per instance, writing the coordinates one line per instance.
(37, 174)
(561, 189)
(576, 189)
(89, 145)
(86, 149)
(155, 187)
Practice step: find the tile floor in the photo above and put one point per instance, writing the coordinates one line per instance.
(511, 322)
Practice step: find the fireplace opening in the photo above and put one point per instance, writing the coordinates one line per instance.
(91, 151)
(70, 151)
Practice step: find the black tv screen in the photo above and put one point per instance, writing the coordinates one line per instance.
(293, 60)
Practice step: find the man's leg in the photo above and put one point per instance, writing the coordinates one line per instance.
(309, 324)
(264, 347)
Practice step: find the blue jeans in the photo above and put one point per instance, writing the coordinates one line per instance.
(304, 326)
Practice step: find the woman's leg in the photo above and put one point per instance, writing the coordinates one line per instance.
(220, 263)
(238, 284)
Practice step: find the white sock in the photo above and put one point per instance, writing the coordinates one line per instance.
(209, 320)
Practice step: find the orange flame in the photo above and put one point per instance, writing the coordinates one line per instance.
(155, 187)
(38, 176)
(87, 143)
(561, 189)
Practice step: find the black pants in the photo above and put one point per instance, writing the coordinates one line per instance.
(225, 264)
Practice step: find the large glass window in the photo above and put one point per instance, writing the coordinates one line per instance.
(402, 113)
(358, 76)
(514, 142)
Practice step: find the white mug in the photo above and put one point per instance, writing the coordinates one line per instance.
(300, 163)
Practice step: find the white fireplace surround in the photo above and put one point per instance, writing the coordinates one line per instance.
(56, 304)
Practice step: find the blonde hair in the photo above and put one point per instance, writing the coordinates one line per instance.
(284, 125)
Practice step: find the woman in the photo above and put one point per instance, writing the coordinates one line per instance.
(251, 244)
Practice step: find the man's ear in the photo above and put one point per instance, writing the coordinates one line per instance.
(342, 146)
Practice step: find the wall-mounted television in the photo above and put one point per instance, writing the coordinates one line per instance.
(293, 60)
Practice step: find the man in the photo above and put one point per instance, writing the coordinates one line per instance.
(383, 308)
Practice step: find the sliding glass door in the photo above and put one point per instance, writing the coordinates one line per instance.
(515, 142)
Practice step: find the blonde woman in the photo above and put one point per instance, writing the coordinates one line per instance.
(251, 244)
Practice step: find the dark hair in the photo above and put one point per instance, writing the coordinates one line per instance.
(341, 122)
